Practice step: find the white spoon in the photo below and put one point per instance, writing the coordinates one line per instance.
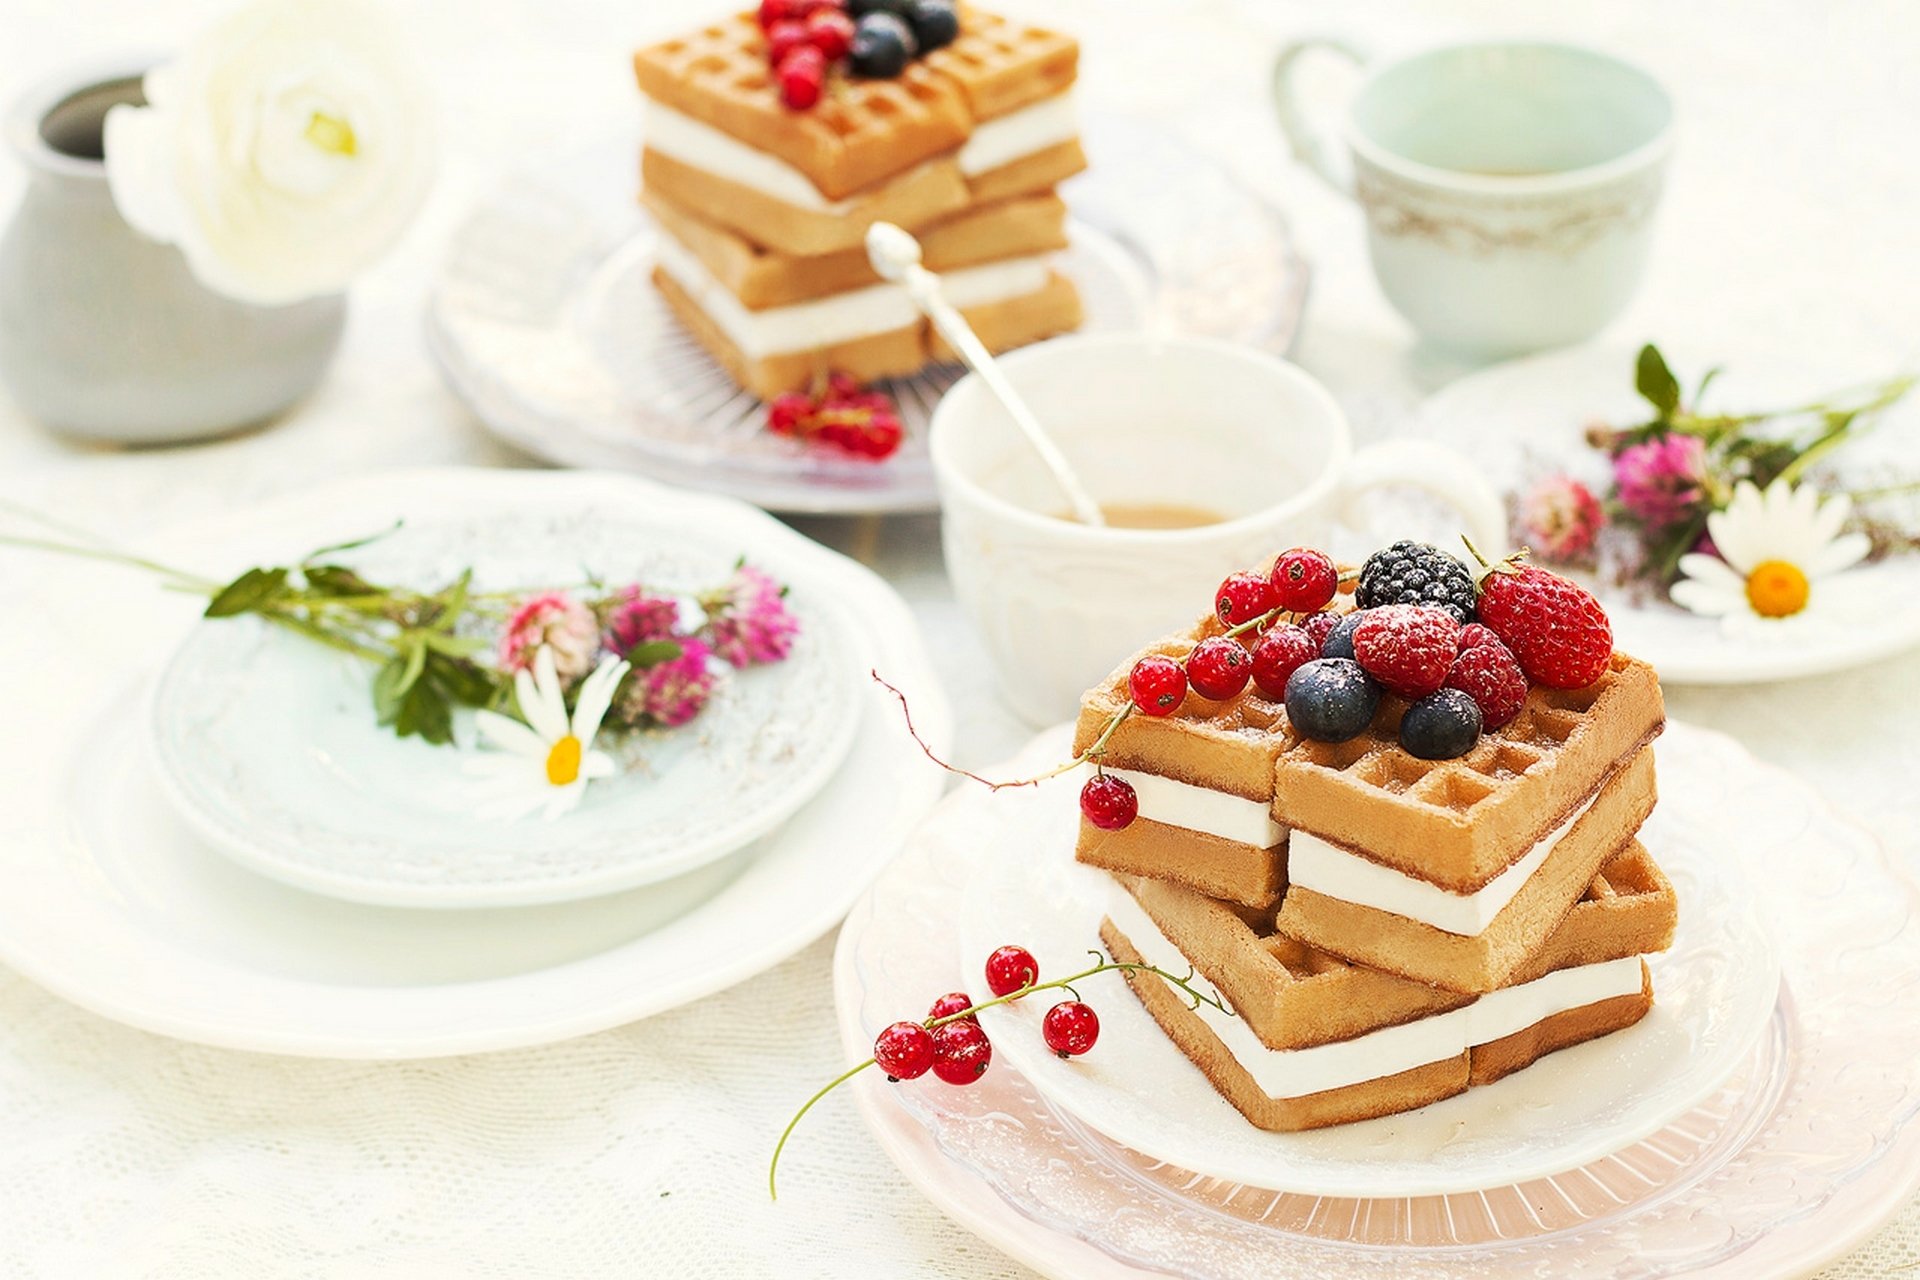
(895, 254)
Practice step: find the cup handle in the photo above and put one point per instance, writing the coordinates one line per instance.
(1313, 144)
(1446, 474)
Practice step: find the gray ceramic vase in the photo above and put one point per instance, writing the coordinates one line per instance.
(106, 335)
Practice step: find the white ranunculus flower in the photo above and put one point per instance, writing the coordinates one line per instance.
(284, 152)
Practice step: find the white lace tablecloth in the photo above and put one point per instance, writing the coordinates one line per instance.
(642, 1151)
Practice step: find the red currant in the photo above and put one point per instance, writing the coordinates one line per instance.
(802, 73)
(1218, 668)
(1280, 653)
(1304, 580)
(772, 11)
(1319, 627)
(787, 414)
(961, 1052)
(1109, 803)
(1009, 969)
(1242, 598)
(831, 32)
(1070, 1028)
(949, 1004)
(904, 1051)
(843, 386)
(783, 37)
(884, 434)
(1158, 685)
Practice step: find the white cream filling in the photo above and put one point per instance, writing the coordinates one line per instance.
(1316, 864)
(1202, 809)
(842, 317)
(994, 143)
(1294, 1073)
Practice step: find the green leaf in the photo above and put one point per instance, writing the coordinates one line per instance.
(454, 646)
(389, 689)
(454, 598)
(463, 682)
(424, 711)
(352, 544)
(247, 593)
(336, 580)
(653, 653)
(1655, 382)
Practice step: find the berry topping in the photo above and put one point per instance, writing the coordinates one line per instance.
(1475, 634)
(1331, 700)
(882, 46)
(1280, 653)
(830, 31)
(961, 1052)
(1415, 573)
(848, 417)
(861, 8)
(1556, 629)
(1304, 580)
(935, 23)
(1490, 675)
(1319, 627)
(823, 6)
(1406, 647)
(1218, 668)
(1070, 1028)
(1339, 641)
(772, 11)
(1011, 968)
(801, 74)
(1441, 726)
(788, 415)
(783, 37)
(949, 1004)
(1242, 598)
(1158, 685)
(904, 1051)
(1109, 803)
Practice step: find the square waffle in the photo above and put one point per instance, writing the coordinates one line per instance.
(762, 277)
(862, 131)
(1291, 997)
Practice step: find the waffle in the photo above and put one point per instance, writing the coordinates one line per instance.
(763, 278)
(1292, 997)
(862, 131)
(1041, 170)
(1054, 308)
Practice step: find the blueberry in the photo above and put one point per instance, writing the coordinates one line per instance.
(935, 23)
(883, 44)
(858, 9)
(1441, 725)
(1331, 700)
(1339, 642)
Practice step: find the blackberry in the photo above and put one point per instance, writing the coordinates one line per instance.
(1415, 573)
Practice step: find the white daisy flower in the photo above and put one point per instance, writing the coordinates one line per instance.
(1779, 553)
(548, 760)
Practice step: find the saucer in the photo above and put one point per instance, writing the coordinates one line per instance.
(269, 745)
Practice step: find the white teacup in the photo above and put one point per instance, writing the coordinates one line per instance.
(1147, 421)
(1509, 187)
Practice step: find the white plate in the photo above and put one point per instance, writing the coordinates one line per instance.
(267, 741)
(1799, 1155)
(1713, 993)
(545, 323)
(108, 899)
(1527, 418)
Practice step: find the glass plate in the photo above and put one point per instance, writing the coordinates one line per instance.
(544, 321)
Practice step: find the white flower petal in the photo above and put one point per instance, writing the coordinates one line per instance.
(563, 800)
(1705, 598)
(598, 764)
(1732, 537)
(1842, 553)
(509, 734)
(1712, 570)
(541, 701)
(596, 695)
(1833, 514)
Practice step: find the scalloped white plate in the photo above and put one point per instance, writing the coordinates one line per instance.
(1802, 1152)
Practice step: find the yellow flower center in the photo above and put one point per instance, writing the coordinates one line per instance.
(563, 761)
(1777, 589)
(331, 133)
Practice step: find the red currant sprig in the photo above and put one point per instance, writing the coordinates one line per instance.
(951, 1043)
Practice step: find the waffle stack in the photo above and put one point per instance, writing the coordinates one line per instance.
(1388, 930)
(764, 210)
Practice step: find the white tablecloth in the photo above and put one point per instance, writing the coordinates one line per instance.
(642, 1151)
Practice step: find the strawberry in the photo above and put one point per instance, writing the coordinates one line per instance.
(1406, 647)
(1556, 629)
(1488, 673)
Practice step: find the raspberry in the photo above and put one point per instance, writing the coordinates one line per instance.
(1158, 685)
(1218, 668)
(904, 1051)
(1475, 634)
(1242, 598)
(1415, 573)
(1304, 580)
(772, 11)
(1489, 674)
(1406, 647)
(1280, 653)
(1320, 626)
(961, 1052)
(831, 32)
(1070, 1028)
(783, 37)
(1558, 632)
(1109, 803)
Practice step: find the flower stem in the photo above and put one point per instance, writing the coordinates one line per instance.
(933, 1024)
